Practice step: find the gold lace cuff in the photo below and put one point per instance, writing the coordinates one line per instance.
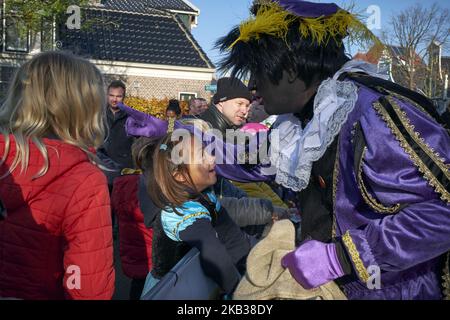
(354, 254)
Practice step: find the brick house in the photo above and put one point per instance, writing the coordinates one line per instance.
(146, 43)
(431, 77)
(392, 61)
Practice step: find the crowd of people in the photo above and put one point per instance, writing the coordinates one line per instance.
(361, 169)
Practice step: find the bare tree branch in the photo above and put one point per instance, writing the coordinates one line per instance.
(414, 29)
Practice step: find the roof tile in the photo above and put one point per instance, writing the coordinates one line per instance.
(130, 37)
(144, 6)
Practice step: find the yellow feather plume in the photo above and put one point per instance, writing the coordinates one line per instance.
(273, 20)
(339, 25)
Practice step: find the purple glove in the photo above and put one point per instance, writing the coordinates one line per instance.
(143, 125)
(313, 264)
(140, 124)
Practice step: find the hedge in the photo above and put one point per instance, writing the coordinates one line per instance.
(154, 107)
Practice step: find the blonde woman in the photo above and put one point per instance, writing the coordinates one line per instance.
(55, 231)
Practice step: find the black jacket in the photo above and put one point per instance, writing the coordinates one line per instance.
(117, 146)
(223, 248)
(316, 201)
(217, 120)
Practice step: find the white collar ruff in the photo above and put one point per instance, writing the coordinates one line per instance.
(297, 148)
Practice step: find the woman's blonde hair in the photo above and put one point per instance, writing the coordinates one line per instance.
(55, 94)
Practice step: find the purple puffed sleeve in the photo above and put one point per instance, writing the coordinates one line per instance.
(393, 175)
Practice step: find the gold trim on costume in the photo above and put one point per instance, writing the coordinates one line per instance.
(368, 198)
(171, 126)
(412, 102)
(354, 254)
(129, 171)
(427, 174)
(436, 157)
(335, 183)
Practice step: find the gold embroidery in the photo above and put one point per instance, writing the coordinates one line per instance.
(354, 254)
(411, 102)
(440, 162)
(194, 215)
(171, 126)
(335, 182)
(128, 171)
(369, 199)
(428, 175)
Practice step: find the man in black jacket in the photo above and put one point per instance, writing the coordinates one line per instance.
(117, 145)
(230, 105)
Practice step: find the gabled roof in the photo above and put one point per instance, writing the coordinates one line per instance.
(402, 54)
(152, 36)
(366, 57)
(376, 52)
(397, 51)
(143, 6)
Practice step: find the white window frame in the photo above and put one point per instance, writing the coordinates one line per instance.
(195, 94)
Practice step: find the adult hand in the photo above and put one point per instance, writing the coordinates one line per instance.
(313, 264)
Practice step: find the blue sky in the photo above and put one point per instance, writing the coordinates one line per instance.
(217, 17)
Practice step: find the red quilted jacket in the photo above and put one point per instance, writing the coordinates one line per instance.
(56, 240)
(135, 238)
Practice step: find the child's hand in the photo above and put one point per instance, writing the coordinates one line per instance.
(295, 216)
(291, 204)
(280, 213)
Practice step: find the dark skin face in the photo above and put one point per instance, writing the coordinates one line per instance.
(290, 95)
(171, 114)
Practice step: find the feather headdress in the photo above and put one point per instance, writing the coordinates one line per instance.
(318, 21)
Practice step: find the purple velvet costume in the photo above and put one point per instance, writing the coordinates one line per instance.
(405, 245)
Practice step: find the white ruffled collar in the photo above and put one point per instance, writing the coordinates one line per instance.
(292, 158)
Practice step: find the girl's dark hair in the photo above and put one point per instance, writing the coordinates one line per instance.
(271, 55)
(174, 105)
(162, 186)
(142, 152)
